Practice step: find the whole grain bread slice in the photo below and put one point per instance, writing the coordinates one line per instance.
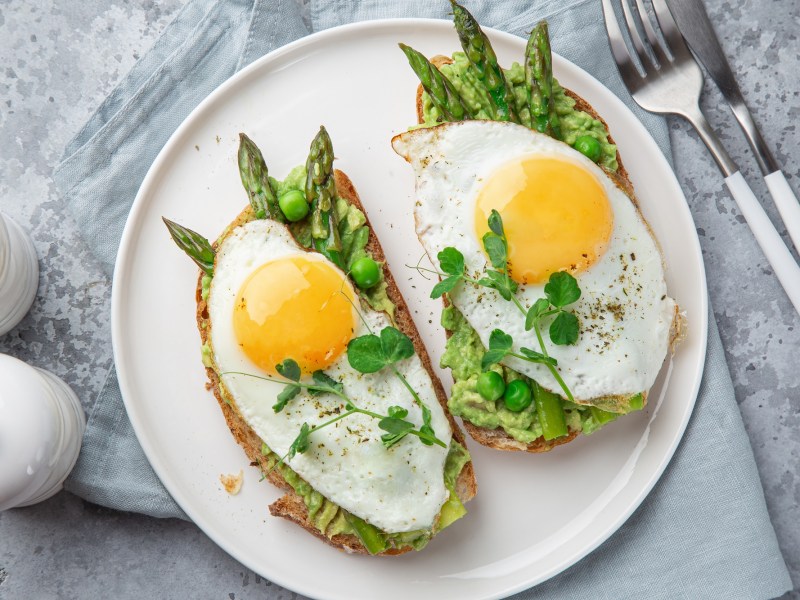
(497, 438)
(291, 506)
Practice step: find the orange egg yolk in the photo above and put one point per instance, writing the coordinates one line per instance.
(556, 216)
(297, 308)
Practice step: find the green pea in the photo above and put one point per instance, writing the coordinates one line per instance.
(491, 385)
(589, 147)
(365, 272)
(517, 396)
(293, 205)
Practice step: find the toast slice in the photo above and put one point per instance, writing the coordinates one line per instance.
(291, 506)
(498, 438)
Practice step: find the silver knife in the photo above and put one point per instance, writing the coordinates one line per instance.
(695, 26)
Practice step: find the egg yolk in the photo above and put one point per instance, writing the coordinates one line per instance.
(294, 307)
(556, 216)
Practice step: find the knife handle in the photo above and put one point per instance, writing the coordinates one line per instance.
(772, 245)
(787, 203)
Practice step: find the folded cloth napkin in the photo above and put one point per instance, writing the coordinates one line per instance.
(702, 532)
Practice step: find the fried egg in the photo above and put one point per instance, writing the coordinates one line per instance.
(561, 212)
(269, 300)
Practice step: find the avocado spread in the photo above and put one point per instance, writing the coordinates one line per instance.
(574, 123)
(330, 519)
(463, 353)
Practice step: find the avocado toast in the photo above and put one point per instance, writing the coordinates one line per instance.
(346, 238)
(471, 86)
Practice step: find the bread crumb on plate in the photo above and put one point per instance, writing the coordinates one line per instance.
(232, 483)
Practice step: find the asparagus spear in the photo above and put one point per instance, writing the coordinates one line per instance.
(255, 179)
(195, 245)
(321, 194)
(442, 93)
(482, 57)
(550, 412)
(539, 76)
(374, 541)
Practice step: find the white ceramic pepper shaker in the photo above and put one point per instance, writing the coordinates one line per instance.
(41, 427)
(19, 273)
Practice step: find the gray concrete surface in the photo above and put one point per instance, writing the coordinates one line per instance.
(60, 59)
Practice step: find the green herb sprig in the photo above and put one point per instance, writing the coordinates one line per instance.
(371, 353)
(561, 290)
(392, 347)
(366, 354)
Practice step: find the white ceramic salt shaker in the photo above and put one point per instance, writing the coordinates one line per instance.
(41, 427)
(19, 273)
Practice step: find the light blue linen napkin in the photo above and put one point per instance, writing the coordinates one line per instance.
(703, 532)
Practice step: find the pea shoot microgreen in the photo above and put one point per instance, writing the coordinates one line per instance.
(561, 290)
(371, 353)
(366, 354)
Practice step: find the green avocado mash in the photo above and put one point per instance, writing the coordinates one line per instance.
(463, 353)
(353, 232)
(574, 123)
(332, 520)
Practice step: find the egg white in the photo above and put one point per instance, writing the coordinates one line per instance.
(624, 311)
(397, 489)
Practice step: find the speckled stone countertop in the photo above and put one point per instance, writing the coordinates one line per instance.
(59, 60)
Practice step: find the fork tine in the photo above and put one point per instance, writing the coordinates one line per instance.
(627, 69)
(669, 29)
(659, 48)
(644, 58)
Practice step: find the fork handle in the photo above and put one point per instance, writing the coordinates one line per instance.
(787, 203)
(772, 245)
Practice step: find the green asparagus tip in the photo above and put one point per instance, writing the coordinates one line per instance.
(193, 244)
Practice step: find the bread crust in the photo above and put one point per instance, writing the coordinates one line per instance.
(291, 506)
(497, 438)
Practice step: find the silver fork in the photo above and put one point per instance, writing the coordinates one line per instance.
(671, 84)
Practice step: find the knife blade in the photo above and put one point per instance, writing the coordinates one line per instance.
(695, 26)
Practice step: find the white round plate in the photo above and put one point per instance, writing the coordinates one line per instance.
(534, 515)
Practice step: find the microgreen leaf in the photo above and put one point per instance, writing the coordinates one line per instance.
(564, 329)
(451, 261)
(444, 286)
(288, 392)
(427, 436)
(397, 412)
(396, 430)
(496, 223)
(492, 357)
(562, 289)
(300, 443)
(499, 345)
(322, 379)
(427, 428)
(538, 357)
(289, 369)
(500, 340)
(365, 354)
(499, 281)
(370, 353)
(495, 247)
(426, 414)
(541, 306)
(395, 345)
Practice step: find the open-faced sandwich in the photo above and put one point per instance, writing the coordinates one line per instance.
(316, 363)
(555, 302)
